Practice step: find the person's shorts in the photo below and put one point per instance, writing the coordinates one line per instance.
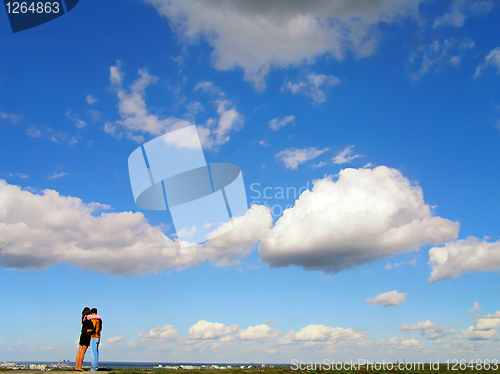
(85, 340)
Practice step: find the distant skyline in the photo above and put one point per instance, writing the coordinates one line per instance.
(368, 138)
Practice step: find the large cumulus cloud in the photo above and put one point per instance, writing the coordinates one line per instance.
(365, 215)
(259, 35)
(38, 230)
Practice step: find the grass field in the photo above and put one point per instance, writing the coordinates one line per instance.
(288, 370)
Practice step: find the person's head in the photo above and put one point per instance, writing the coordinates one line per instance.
(86, 311)
(93, 311)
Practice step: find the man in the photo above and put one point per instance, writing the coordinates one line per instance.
(95, 337)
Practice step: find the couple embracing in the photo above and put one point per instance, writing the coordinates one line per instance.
(89, 337)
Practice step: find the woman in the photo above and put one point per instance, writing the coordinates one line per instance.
(84, 339)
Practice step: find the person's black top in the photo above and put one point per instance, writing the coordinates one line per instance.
(84, 336)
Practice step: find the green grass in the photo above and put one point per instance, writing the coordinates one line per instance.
(288, 370)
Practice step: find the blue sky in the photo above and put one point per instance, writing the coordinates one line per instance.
(388, 114)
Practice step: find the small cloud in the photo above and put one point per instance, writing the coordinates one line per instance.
(438, 55)
(455, 60)
(11, 117)
(33, 132)
(275, 124)
(455, 18)
(292, 157)
(474, 307)
(346, 155)
(187, 233)
(179, 59)
(392, 298)
(319, 165)
(270, 322)
(167, 332)
(492, 59)
(76, 119)
(209, 88)
(263, 143)
(116, 339)
(56, 136)
(194, 108)
(94, 115)
(57, 175)
(19, 175)
(91, 100)
(207, 225)
(314, 86)
(398, 264)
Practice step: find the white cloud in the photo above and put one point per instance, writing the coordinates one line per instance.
(293, 157)
(94, 115)
(76, 119)
(319, 165)
(209, 87)
(91, 100)
(20, 175)
(259, 35)
(429, 329)
(455, 18)
(57, 175)
(33, 132)
(314, 86)
(474, 307)
(321, 333)
(492, 59)
(229, 120)
(116, 339)
(346, 155)
(488, 322)
(137, 120)
(287, 339)
(474, 334)
(194, 108)
(459, 345)
(276, 123)
(53, 135)
(38, 230)
(11, 117)
(402, 344)
(458, 11)
(463, 256)
(366, 215)
(326, 333)
(398, 264)
(259, 332)
(203, 330)
(438, 55)
(166, 332)
(392, 298)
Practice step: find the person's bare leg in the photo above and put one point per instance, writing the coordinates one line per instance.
(77, 360)
(79, 357)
